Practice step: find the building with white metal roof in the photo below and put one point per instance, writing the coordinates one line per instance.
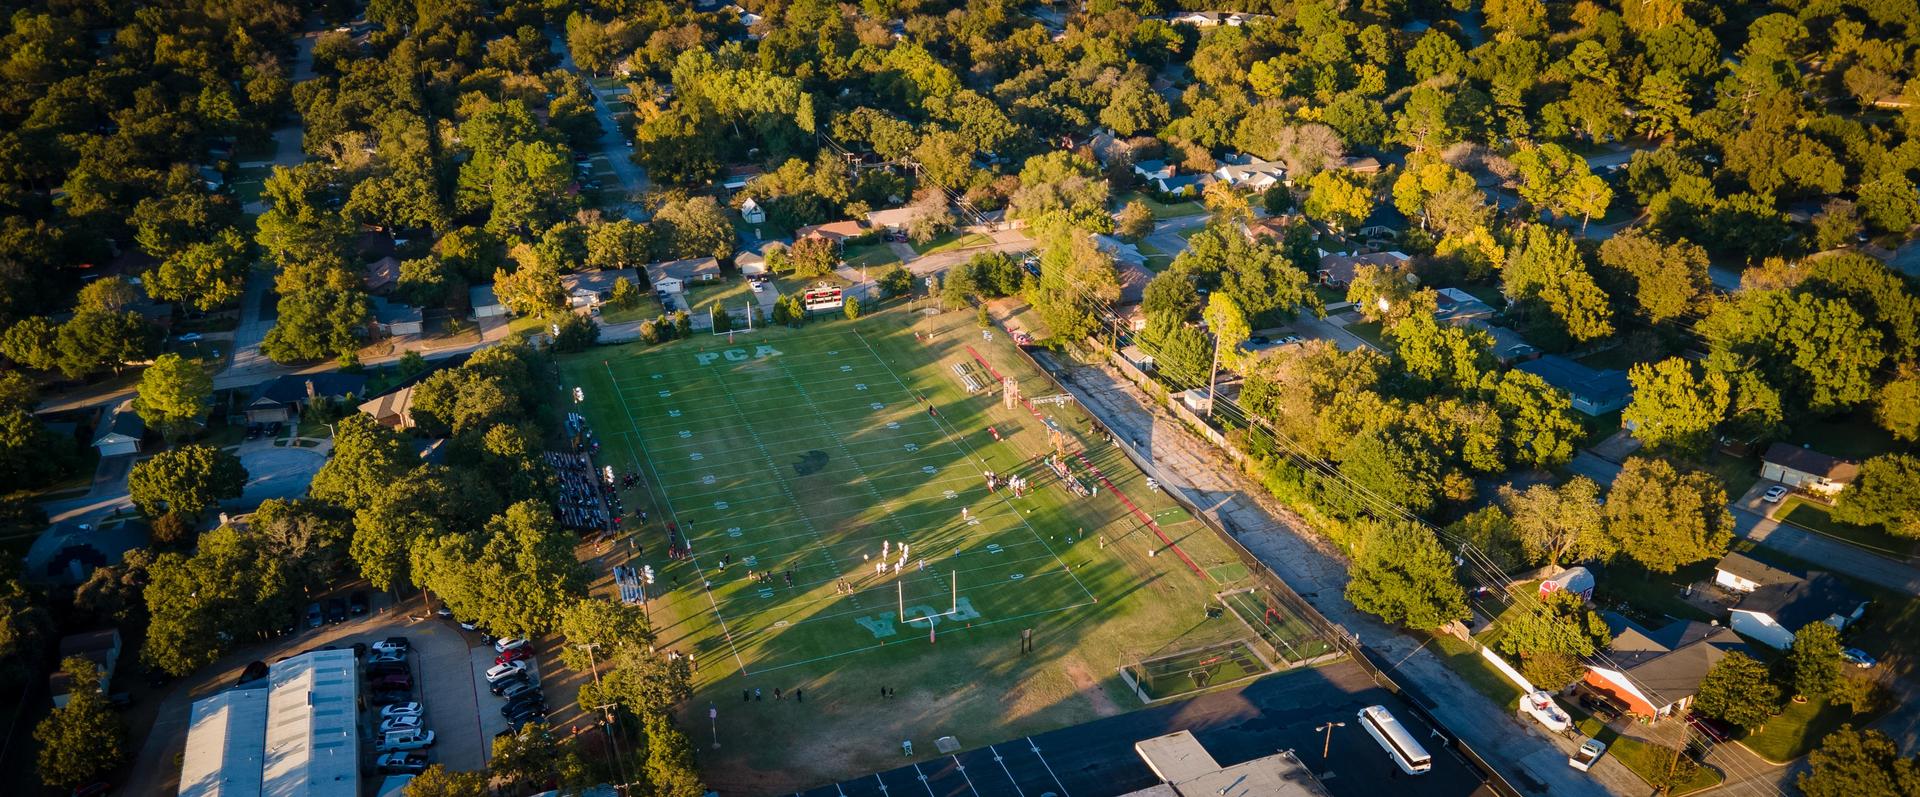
(224, 745)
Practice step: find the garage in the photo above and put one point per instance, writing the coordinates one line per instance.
(120, 434)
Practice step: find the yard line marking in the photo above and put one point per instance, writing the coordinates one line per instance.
(841, 443)
(1043, 762)
(923, 780)
(1003, 768)
(963, 774)
(787, 488)
(912, 639)
(975, 460)
(668, 504)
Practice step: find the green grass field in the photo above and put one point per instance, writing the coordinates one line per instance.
(806, 453)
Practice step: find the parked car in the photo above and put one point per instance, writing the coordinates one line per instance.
(357, 603)
(377, 669)
(403, 763)
(502, 685)
(255, 671)
(525, 712)
(336, 610)
(1859, 658)
(1589, 752)
(388, 658)
(406, 722)
(397, 680)
(507, 643)
(516, 654)
(1709, 727)
(1774, 494)
(316, 616)
(393, 644)
(391, 696)
(518, 689)
(407, 709)
(404, 740)
(499, 671)
(530, 698)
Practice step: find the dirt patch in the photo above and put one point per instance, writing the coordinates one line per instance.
(1089, 687)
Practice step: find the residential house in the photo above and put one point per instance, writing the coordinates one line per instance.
(1508, 346)
(1384, 221)
(1106, 146)
(1133, 277)
(1273, 227)
(1154, 170)
(1337, 270)
(100, 647)
(1182, 184)
(1742, 573)
(752, 260)
(212, 178)
(120, 434)
(1251, 174)
(1594, 391)
(395, 318)
(1806, 469)
(485, 304)
(836, 231)
(1656, 673)
(1781, 603)
(894, 220)
(1361, 164)
(282, 398)
(383, 274)
(594, 288)
(672, 276)
(1576, 580)
(752, 213)
(393, 409)
(1455, 306)
(1124, 254)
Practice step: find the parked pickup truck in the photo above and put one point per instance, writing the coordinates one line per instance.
(404, 740)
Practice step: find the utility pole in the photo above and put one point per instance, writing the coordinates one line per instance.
(606, 710)
(1327, 745)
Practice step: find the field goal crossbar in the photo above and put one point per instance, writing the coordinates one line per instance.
(953, 606)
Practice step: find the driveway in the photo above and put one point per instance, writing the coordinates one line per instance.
(616, 147)
(1750, 521)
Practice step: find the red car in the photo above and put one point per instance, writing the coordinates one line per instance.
(514, 654)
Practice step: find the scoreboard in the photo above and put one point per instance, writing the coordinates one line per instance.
(822, 297)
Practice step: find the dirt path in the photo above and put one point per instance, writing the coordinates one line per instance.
(1089, 687)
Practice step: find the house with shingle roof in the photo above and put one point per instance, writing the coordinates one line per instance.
(1657, 672)
(1803, 468)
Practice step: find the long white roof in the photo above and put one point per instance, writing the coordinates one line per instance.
(312, 748)
(224, 745)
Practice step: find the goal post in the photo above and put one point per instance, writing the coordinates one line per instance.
(953, 604)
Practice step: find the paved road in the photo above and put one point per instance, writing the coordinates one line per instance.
(612, 144)
(1535, 763)
(1275, 713)
(1166, 234)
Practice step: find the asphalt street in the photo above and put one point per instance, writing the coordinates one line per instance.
(1275, 713)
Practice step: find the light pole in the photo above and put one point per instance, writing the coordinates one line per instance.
(1327, 745)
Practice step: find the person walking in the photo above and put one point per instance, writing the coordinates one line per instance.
(746, 696)
(776, 694)
(756, 693)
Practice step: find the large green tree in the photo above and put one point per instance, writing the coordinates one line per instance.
(174, 395)
(1812, 667)
(82, 741)
(1664, 518)
(1676, 406)
(1886, 493)
(1553, 636)
(514, 577)
(1739, 690)
(1403, 576)
(1553, 293)
(366, 459)
(189, 480)
(1851, 763)
(1559, 525)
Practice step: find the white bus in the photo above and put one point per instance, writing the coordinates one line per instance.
(1393, 736)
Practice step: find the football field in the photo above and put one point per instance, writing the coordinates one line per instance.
(820, 519)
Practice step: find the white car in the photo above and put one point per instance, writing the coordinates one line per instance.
(404, 740)
(507, 643)
(388, 658)
(1774, 494)
(401, 710)
(394, 724)
(500, 671)
(391, 645)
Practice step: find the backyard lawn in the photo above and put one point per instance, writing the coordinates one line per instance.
(952, 241)
(873, 254)
(1799, 729)
(1161, 210)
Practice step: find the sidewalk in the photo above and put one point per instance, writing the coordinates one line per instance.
(1533, 762)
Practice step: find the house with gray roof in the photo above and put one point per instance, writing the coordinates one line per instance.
(1782, 602)
(120, 434)
(1657, 672)
(1594, 391)
(592, 288)
(1803, 468)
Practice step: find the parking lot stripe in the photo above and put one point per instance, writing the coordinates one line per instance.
(1003, 768)
(964, 776)
(1043, 762)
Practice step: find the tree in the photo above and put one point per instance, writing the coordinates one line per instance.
(896, 281)
(1739, 690)
(1812, 665)
(107, 295)
(1559, 525)
(1886, 493)
(1836, 224)
(814, 257)
(1338, 197)
(1135, 221)
(531, 290)
(1889, 203)
(1851, 763)
(670, 764)
(693, 227)
(1670, 768)
(1547, 280)
(82, 741)
(1061, 189)
(1228, 325)
(367, 457)
(32, 343)
(189, 480)
(1670, 277)
(1676, 406)
(1558, 181)
(619, 244)
(1403, 576)
(1554, 638)
(438, 781)
(204, 275)
(1819, 353)
(97, 340)
(1387, 295)
(1075, 278)
(1665, 519)
(607, 626)
(424, 503)
(514, 578)
(174, 395)
(853, 308)
(625, 295)
(1453, 358)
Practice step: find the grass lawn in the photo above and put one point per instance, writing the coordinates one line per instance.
(734, 294)
(1159, 209)
(1798, 730)
(1814, 517)
(874, 254)
(1637, 755)
(1619, 358)
(1330, 295)
(799, 454)
(1738, 473)
(1487, 293)
(1476, 670)
(1651, 598)
(952, 241)
(1368, 331)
